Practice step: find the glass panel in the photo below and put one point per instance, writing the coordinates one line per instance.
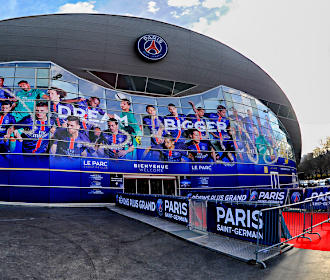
(178, 87)
(169, 187)
(160, 86)
(113, 102)
(7, 72)
(90, 89)
(143, 186)
(156, 186)
(71, 89)
(283, 111)
(133, 83)
(130, 185)
(109, 78)
(8, 82)
(43, 73)
(140, 103)
(187, 107)
(33, 64)
(42, 83)
(25, 72)
(214, 94)
(163, 105)
(291, 115)
(273, 106)
(58, 73)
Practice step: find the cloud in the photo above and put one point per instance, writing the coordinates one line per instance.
(183, 3)
(79, 7)
(185, 12)
(210, 4)
(287, 39)
(152, 7)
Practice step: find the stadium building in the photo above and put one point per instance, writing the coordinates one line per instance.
(93, 105)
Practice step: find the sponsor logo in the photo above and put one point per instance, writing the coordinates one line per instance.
(159, 207)
(100, 164)
(295, 197)
(254, 196)
(95, 192)
(198, 167)
(152, 47)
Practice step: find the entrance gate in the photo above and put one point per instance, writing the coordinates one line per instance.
(164, 185)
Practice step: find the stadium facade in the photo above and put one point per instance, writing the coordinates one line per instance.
(93, 105)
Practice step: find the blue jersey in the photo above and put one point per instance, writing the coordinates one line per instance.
(86, 123)
(249, 124)
(222, 124)
(173, 126)
(267, 131)
(4, 93)
(67, 145)
(36, 142)
(153, 125)
(174, 155)
(6, 121)
(116, 139)
(60, 117)
(201, 152)
(199, 124)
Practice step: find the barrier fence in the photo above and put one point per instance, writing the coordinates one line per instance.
(296, 220)
(255, 231)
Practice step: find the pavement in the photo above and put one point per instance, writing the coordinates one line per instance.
(97, 243)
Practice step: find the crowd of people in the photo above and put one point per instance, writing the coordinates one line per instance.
(37, 121)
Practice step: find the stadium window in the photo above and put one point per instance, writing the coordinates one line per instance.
(178, 87)
(109, 78)
(43, 73)
(273, 106)
(283, 111)
(7, 72)
(133, 83)
(160, 86)
(25, 72)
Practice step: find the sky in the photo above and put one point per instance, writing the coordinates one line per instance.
(289, 39)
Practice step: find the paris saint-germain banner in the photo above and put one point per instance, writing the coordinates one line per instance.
(243, 221)
(174, 209)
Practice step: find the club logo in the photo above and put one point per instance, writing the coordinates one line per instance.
(152, 47)
(295, 197)
(254, 196)
(159, 207)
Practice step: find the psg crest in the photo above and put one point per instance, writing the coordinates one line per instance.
(152, 47)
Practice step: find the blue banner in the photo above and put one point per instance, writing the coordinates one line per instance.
(321, 203)
(243, 221)
(174, 209)
(274, 196)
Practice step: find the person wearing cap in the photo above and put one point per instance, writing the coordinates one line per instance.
(5, 92)
(198, 119)
(26, 96)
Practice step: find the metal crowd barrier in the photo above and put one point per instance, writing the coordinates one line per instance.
(198, 214)
(296, 220)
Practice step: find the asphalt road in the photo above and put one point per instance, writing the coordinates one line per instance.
(95, 243)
